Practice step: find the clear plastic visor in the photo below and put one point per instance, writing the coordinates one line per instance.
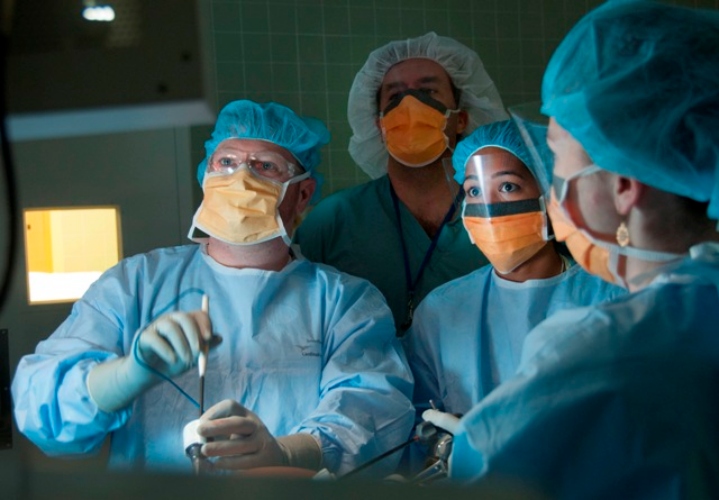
(497, 183)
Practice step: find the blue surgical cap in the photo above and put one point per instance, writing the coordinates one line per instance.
(505, 135)
(301, 136)
(637, 84)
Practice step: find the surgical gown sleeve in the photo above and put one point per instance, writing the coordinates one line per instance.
(365, 388)
(52, 406)
(615, 401)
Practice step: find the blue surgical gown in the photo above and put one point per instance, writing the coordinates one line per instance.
(467, 335)
(308, 349)
(355, 230)
(617, 400)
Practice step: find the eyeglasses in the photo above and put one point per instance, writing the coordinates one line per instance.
(266, 164)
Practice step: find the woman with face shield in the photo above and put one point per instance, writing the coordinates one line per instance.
(467, 335)
(618, 400)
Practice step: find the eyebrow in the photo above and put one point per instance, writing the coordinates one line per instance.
(424, 79)
(508, 172)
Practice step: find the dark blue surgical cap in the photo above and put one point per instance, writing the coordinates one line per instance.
(637, 84)
(301, 136)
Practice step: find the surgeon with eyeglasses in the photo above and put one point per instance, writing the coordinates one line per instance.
(296, 349)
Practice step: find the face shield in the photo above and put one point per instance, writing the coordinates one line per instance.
(503, 209)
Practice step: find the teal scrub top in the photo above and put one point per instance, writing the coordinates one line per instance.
(356, 231)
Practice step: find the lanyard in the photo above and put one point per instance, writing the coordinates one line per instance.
(412, 284)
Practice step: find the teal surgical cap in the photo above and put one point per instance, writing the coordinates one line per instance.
(637, 84)
(301, 136)
(505, 135)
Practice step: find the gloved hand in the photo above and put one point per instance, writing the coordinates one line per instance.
(441, 419)
(241, 441)
(170, 345)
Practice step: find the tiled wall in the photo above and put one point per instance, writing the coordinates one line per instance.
(305, 53)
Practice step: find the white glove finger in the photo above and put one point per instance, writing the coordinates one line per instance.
(441, 419)
(225, 408)
(237, 444)
(192, 335)
(172, 332)
(240, 427)
(154, 348)
(203, 324)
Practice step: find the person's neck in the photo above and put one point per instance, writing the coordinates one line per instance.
(544, 264)
(272, 255)
(425, 191)
(650, 233)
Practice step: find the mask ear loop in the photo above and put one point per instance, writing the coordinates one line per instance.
(545, 229)
(285, 185)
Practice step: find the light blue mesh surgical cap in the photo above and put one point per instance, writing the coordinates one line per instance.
(301, 136)
(479, 97)
(504, 135)
(637, 84)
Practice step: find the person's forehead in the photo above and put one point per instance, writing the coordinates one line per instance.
(415, 71)
(492, 159)
(254, 146)
(564, 145)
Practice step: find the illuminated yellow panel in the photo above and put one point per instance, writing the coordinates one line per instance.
(68, 249)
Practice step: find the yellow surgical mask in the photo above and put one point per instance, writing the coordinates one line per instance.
(413, 129)
(507, 241)
(241, 208)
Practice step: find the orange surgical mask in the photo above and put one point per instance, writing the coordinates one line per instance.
(508, 233)
(413, 128)
(242, 208)
(593, 258)
(600, 258)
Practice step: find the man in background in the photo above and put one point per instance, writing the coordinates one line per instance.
(402, 231)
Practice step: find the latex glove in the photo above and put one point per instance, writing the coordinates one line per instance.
(441, 419)
(240, 440)
(170, 344)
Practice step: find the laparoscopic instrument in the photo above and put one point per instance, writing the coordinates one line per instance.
(435, 439)
(192, 440)
(202, 359)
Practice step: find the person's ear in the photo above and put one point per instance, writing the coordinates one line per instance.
(462, 121)
(306, 190)
(627, 193)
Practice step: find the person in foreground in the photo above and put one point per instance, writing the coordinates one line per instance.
(467, 335)
(408, 106)
(308, 372)
(618, 400)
